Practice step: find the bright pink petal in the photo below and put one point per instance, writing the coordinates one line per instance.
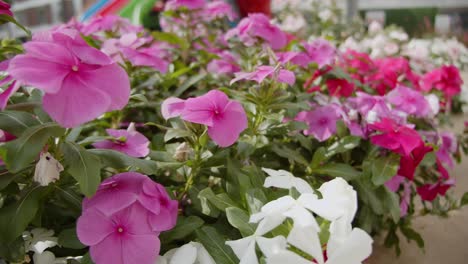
(202, 109)
(140, 249)
(288, 77)
(90, 55)
(228, 125)
(110, 250)
(74, 104)
(51, 52)
(45, 75)
(5, 95)
(166, 219)
(172, 107)
(93, 226)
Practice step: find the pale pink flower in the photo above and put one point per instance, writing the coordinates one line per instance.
(125, 237)
(218, 9)
(409, 101)
(114, 46)
(225, 118)
(109, 23)
(80, 82)
(150, 57)
(320, 52)
(262, 72)
(130, 142)
(227, 63)
(189, 4)
(321, 121)
(258, 26)
(13, 85)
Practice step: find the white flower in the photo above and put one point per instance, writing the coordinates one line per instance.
(39, 239)
(191, 253)
(293, 23)
(433, 101)
(47, 169)
(375, 27)
(45, 257)
(285, 180)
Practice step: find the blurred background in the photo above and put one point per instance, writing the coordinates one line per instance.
(418, 17)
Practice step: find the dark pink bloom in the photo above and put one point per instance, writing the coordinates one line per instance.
(258, 26)
(448, 147)
(125, 237)
(80, 82)
(5, 137)
(409, 101)
(225, 118)
(397, 138)
(320, 52)
(164, 210)
(151, 57)
(321, 121)
(13, 85)
(130, 142)
(282, 76)
(409, 163)
(5, 9)
(429, 192)
(340, 87)
(189, 4)
(446, 79)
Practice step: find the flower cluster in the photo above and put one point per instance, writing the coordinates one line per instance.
(122, 221)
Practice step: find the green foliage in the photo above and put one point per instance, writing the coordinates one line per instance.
(215, 244)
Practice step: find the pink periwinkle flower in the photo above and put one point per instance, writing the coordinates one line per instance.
(225, 118)
(130, 142)
(258, 26)
(5, 137)
(80, 82)
(5, 9)
(321, 121)
(409, 101)
(448, 147)
(395, 137)
(113, 47)
(189, 4)
(218, 9)
(125, 237)
(393, 185)
(428, 192)
(446, 79)
(109, 23)
(282, 76)
(409, 163)
(226, 64)
(150, 57)
(340, 87)
(320, 52)
(13, 85)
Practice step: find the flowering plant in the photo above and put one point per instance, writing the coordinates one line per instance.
(209, 144)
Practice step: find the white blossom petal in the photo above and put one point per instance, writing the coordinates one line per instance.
(186, 254)
(354, 250)
(307, 239)
(244, 249)
(287, 256)
(285, 180)
(302, 217)
(47, 169)
(271, 246)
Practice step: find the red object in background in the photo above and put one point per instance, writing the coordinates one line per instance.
(254, 6)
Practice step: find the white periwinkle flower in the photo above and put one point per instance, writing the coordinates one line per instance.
(191, 253)
(47, 169)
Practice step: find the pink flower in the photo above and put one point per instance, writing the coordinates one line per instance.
(429, 192)
(226, 64)
(320, 51)
(125, 189)
(125, 237)
(258, 26)
(151, 57)
(340, 87)
(5, 137)
(80, 82)
(397, 138)
(409, 101)
(282, 76)
(114, 46)
(449, 146)
(13, 85)
(129, 141)
(218, 9)
(446, 79)
(321, 121)
(109, 23)
(189, 4)
(393, 185)
(5, 9)
(225, 118)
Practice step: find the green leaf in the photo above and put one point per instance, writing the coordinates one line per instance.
(319, 157)
(188, 83)
(16, 122)
(68, 238)
(185, 226)
(170, 38)
(7, 18)
(411, 234)
(239, 219)
(343, 145)
(176, 133)
(215, 244)
(464, 199)
(6, 178)
(220, 201)
(84, 166)
(86, 259)
(342, 170)
(256, 198)
(118, 160)
(384, 168)
(15, 218)
(23, 150)
(391, 202)
(290, 154)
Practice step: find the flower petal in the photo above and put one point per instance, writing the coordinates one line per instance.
(228, 126)
(140, 249)
(93, 226)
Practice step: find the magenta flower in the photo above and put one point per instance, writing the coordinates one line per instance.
(109, 23)
(258, 26)
(5, 137)
(218, 9)
(409, 101)
(397, 138)
(340, 87)
(409, 163)
(446, 79)
(80, 82)
(226, 64)
(164, 211)
(113, 47)
(13, 85)
(320, 52)
(125, 237)
(225, 118)
(5, 9)
(130, 142)
(321, 121)
(282, 76)
(448, 147)
(189, 4)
